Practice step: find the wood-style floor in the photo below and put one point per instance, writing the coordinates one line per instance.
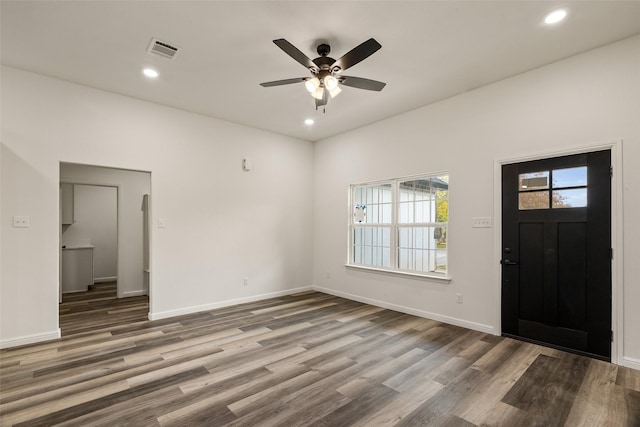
(300, 360)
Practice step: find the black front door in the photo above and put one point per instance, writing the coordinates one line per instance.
(556, 252)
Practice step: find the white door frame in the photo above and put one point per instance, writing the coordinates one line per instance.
(617, 282)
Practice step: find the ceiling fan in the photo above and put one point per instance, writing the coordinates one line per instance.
(326, 72)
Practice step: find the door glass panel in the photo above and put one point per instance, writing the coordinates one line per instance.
(574, 198)
(533, 200)
(571, 177)
(534, 181)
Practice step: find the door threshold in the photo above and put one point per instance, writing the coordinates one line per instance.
(559, 347)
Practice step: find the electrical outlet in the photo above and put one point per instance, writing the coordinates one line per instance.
(459, 298)
(481, 222)
(21, 221)
(246, 281)
(328, 276)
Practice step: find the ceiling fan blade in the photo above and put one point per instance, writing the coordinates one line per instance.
(360, 83)
(358, 53)
(295, 53)
(283, 82)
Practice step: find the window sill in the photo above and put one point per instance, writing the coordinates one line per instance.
(434, 277)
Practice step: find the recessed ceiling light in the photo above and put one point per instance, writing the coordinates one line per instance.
(309, 122)
(149, 72)
(555, 17)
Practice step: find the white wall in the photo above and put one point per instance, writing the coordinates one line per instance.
(213, 236)
(583, 100)
(96, 223)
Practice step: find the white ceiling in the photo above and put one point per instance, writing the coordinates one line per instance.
(431, 50)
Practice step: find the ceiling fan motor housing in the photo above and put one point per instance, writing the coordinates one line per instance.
(323, 49)
(325, 64)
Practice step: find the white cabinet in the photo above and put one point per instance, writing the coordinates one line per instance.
(77, 268)
(66, 204)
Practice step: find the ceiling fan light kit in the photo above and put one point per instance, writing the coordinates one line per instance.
(312, 84)
(335, 91)
(318, 93)
(326, 71)
(330, 82)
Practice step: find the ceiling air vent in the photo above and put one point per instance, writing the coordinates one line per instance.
(161, 48)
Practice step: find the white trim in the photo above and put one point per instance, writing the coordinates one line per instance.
(630, 362)
(105, 279)
(402, 178)
(488, 329)
(133, 293)
(221, 304)
(617, 233)
(31, 339)
(426, 276)
(617, 243)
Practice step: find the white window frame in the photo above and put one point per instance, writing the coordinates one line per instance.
(394, 227)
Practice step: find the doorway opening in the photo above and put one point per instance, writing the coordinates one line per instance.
(104, 246)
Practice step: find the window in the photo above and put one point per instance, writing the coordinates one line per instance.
(568, 189)
(401, 225)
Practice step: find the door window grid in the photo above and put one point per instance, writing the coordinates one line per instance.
(568, 189)
(412, 236)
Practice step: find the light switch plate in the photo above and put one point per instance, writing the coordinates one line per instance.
(21, 221)
(161, 223)
(481, 222)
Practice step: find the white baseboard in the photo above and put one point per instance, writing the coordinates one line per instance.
(631, 362)
(30, 339)
(105, 279)
(408, 310)
(221, 304)
(74, 291)
(136, 293)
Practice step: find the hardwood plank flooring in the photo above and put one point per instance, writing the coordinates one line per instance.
(99, 307)
(308, 359)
